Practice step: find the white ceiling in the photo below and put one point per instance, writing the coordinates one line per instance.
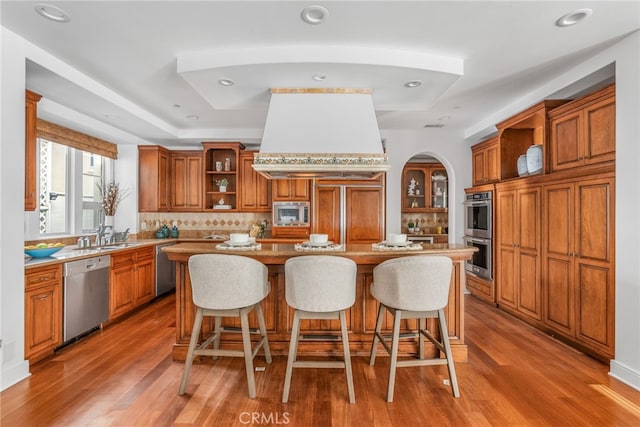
(131, 63)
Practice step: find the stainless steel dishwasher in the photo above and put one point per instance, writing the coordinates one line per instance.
(165, 271)
(86, 295)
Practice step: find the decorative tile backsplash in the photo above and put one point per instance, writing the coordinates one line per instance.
(201, 221)
(426, 221)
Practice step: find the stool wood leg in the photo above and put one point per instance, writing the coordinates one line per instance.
(248, 358)
(216, 330)
(376, 334)
(422, 325)
(195, 333)
(293, 350)
(395, 341)
(263, 333)
(447, 351)
(347, 357)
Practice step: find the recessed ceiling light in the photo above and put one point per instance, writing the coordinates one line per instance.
(111, 116)
(314, 15)
(573, 18)
(444, 118)
(413, 83)
(226, 82)
(319, 77)
(52, 12)
(176, 105)
(192, 117)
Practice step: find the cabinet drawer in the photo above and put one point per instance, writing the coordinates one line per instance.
(43, 276)
(145, 254)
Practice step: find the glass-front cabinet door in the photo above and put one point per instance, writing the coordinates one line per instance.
(439, 189)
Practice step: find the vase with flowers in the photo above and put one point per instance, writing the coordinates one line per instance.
(222, 184)
(111, 195)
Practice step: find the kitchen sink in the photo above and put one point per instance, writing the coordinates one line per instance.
(112, 246)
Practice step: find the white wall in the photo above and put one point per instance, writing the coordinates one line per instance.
(401, 145)
(450, 149)
(12, 99)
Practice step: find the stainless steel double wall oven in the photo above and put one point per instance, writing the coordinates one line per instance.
(479, 233)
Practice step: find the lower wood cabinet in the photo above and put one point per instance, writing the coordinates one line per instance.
(132, 280)
(43, 312)
(578, 264)
(518, 250)
(483, 289)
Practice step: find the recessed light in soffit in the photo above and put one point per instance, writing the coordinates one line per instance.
(413, 83)
(52, 13)
(573, 18)
(314, 15)
(226, 82)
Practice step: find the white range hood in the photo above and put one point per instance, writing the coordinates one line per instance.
(321, 133)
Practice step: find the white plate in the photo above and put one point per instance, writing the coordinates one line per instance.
(232, 243)
(317, 244)
(405, 243)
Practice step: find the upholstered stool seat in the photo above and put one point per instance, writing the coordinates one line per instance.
(227, 286)
(413, 287)
(319, 287)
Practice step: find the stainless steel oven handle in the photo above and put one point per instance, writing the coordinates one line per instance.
(476, 240)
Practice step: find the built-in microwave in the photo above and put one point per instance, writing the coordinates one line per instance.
(478, 215)
(291, 214)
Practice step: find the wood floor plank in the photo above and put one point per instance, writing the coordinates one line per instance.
(124, 376)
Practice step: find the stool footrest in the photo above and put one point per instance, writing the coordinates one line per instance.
(318, 364)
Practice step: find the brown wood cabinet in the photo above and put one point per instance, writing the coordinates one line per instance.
(132, 280)
(520, 132)
(221, 162)
(186, 181)
(362, 206)
(486, 162)
(31, 151)
(430, 191)
(578, 267)
(291, 190)
(43, 311)
(583, 131)
(153, 178)
(518, 251)
(483, 289)
(255, 189)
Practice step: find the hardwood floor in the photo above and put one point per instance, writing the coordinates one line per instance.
(124, 376)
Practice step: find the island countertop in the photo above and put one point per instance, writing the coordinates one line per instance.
(278, 316)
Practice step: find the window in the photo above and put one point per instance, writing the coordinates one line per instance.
(70, 200)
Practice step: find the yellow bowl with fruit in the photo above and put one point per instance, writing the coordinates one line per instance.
(43, 250)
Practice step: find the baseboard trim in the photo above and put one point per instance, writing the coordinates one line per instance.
(625, 374)
(14, 374)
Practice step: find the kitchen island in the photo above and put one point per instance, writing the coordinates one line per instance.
(319, 335)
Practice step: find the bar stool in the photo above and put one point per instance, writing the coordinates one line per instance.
(319, 287)
(227, 286)
(413, 287)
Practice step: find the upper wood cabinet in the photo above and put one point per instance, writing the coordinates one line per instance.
(221, 162)
(186, 181)
(43, 311)
(153, 178)
(583, 132)
(255, 189)
(298, 190)
(424, 188)
(520, 132)
(518, 251)
(486, 162)
(578, 267)
(31, 151)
